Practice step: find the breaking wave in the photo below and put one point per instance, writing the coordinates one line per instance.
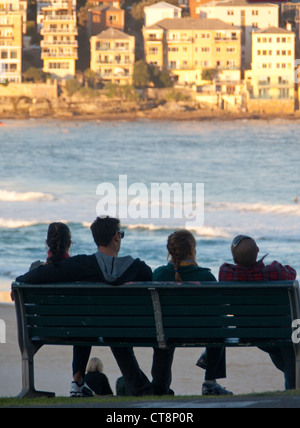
(12, 196)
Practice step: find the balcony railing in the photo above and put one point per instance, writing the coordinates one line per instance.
(73, 30)
(73, 55)
(114, 49)
(99, 62)
(224, 39)
(45, 43)
(59, 18)
(179, 40)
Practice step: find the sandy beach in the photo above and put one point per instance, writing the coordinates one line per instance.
(248, 369)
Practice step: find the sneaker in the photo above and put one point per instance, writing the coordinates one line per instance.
(214, 389)
(80, 390)
(202, 362)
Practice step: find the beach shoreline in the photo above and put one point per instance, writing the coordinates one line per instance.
(155, 115)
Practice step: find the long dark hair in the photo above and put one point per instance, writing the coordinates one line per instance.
(58, 241)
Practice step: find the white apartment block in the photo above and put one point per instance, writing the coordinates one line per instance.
(272, 69)
(159, 11)
(19, 6)
(11, 47)
(59, 44)
(246, 16)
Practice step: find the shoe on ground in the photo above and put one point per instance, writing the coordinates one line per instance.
(214, 389)
(202, 362)
(80, 390)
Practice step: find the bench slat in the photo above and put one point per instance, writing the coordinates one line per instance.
(173, 322)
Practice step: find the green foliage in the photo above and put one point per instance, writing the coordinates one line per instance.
(174, 95)
(125, 92)
(208, 73)
(145, 75)
(160, 79)
(35, 74)
(72, 86)
(141, 74)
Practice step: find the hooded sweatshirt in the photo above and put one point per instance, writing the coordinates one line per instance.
(95, 268)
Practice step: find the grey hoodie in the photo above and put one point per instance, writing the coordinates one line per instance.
(113, 267)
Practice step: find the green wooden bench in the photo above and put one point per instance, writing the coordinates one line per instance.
(153, 315)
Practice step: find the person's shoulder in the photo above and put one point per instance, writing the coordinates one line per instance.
(205, 274)
(160, 273)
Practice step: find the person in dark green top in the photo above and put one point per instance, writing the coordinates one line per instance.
(183, 267)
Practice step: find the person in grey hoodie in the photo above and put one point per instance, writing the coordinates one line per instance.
(106, 266)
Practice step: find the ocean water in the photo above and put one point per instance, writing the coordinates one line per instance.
(51, 170)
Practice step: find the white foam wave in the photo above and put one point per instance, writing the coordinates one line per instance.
(12, 196)
(281, 209)
(10, 223)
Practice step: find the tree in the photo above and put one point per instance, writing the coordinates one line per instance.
(72, 86)
(208, 73)
(35, 74)
(90, 78)
(141, 74)
(160, 79)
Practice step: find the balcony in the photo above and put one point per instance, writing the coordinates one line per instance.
(226, 39)
(121, 62)
(73, 43)
(51, 18)
(179, 40)
(72, 30)
(46, 55)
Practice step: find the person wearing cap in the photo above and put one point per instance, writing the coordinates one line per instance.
(246, 267)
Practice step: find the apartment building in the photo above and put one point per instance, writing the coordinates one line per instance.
(11, 25)
(113, 56)
(272, 69)
(103, 17)
(160, 11)
(246, 16)
(194, 7)
(187, 46)
(59, 44)
(15, 6)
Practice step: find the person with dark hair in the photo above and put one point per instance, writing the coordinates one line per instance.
(183, 267)
(246, 267)
(106, 266)
(58, 242)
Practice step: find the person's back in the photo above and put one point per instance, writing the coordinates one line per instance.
(95, 379)
(183, 267)
(246, 268)
(105, 266)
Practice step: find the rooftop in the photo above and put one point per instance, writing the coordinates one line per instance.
(113, 33)
(236, 3)
(192, 24)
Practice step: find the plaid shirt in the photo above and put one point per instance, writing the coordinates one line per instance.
(258, 272)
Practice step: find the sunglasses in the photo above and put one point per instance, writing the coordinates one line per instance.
(238, 239)
(121, 234)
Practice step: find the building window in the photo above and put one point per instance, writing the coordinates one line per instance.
(153, 50)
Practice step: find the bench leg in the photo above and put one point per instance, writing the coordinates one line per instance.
(28, 389)
(297, 371)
